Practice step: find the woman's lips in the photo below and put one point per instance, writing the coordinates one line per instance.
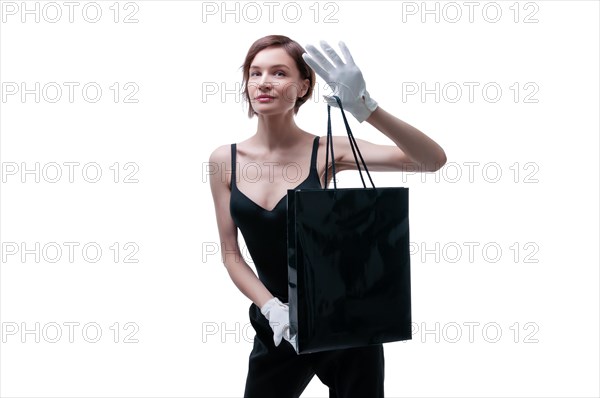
(264, 99)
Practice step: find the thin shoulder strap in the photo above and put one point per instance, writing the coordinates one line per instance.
(313, 158)
(233, 150)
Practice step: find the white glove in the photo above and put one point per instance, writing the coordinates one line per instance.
(345, 79)
(278, 315)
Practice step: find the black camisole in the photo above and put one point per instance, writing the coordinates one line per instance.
(265, 231)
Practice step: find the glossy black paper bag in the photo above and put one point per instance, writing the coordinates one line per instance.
(348, 264)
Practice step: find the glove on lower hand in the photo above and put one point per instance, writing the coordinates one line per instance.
(345, 79)
(278, 315)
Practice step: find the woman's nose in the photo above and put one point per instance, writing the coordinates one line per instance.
(264, 82)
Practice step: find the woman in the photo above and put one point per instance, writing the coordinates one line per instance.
(278, 79)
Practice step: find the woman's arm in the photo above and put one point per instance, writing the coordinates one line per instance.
(419, 148)
(239, 271)
(414, 151)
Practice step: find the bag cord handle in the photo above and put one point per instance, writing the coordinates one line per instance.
(352, 145)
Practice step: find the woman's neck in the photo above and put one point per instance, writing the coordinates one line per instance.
(277, 131)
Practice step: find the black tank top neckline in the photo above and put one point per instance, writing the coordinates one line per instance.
(312, 174)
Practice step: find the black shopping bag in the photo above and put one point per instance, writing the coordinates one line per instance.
(348, 263)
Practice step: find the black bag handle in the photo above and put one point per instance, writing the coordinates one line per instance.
(352, 145)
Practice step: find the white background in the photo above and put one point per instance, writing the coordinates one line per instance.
(189, 319)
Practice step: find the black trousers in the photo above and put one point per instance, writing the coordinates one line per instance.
(279, 372)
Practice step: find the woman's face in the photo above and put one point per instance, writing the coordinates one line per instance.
(273, 74)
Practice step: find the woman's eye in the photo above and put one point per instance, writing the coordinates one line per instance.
(276, 73)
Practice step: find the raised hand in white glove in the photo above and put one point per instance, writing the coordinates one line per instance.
(278, 315)
(345, 79)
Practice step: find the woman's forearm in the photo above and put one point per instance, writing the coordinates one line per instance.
(419, 147)
(247, 282)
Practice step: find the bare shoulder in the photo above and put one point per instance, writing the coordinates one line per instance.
(341, 147)
(222, 153)
(337, 139)
(219, 162)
